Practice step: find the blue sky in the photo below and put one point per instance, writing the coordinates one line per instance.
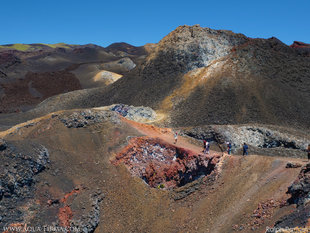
(139, 22)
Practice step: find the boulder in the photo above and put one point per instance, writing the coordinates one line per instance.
(293, 165)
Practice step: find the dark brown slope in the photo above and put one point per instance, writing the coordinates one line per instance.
(202, 76)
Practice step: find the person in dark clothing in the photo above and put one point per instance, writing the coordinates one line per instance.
(229, 148)
(204, 145)
(308, 150)
(245, 149)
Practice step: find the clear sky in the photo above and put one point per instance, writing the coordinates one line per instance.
(139, 22)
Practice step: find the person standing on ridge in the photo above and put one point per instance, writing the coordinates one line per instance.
(207, 148)
(204, 145)
(228, 148)
(245, 149)
(308, 150)
(175, 137)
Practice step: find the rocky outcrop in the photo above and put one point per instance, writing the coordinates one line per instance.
(190, 47)
(300, 189)
(293, 165)
(18, 170)
(83, 118)
(298, 219)
(300, 195)
(139, 114)
(88, 222)
(261, 139)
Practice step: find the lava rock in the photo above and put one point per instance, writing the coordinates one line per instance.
(300, 189)
(293, 165)
(3, 145)
(140, 114)
(19, 166)
(87, 117)
(89, 222)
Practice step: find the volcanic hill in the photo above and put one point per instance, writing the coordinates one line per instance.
(197, 76)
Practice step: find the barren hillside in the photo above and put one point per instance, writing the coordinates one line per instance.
(199, 76)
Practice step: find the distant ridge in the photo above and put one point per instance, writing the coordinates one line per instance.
(127, 48)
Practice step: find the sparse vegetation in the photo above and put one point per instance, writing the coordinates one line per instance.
(20, 47)
(58, 45)
(161, 186)
(28, 47)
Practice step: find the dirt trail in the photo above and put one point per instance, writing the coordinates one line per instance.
(165, 134)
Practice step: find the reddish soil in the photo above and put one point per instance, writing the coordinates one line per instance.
(65, 215)
(65, 198)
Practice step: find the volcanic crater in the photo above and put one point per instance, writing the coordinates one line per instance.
(164, 165)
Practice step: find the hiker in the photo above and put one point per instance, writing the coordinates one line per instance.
(204, 145)
(175, 137)
(228, 147)
(308, 150)
(245, 149)
(207, 148)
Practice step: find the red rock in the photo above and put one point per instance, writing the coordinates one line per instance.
(160, 163)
